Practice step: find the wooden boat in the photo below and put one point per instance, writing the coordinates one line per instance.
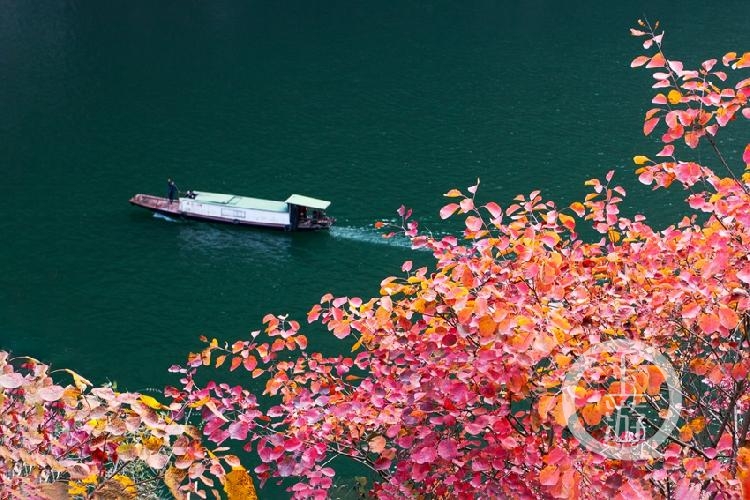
(296, 213)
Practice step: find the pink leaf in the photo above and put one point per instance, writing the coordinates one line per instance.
(11, 380)
(448, 210)
(676, 66)
(467, 204)
(708, 65)
(494, 209)
(157, 461)
(447, 449)
(746, 154)
(424, 455)
(725, 442)
(649, 125)
(639, 61)
(474, 223)
(51, 393)
(668, 150)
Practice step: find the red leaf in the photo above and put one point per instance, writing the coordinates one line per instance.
(250, 363)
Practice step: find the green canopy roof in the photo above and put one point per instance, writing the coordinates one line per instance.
(234, 201)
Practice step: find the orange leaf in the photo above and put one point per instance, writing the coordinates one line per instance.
(728, 318)
(549, 476)
(546, 402)
(220, 360)
(238, 485)
(377, 444)
(591, 414)
(487, 326)
(674, 96)
(656, 378)
(578, 208)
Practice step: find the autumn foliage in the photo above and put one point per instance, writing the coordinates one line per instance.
(74, 440)
(456, 382)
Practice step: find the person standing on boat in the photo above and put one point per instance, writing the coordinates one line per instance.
(171, 190)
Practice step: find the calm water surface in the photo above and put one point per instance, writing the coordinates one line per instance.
(367, 104)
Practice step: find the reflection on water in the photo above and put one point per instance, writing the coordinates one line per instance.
(217, 243)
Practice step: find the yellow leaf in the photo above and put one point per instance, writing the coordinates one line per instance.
(640, 159)
(614, 236)
(357, 345)
(75, 488)
(674, 96)
(127, 484)
(238, 485)
(151, 402)
(90, 479)
(698, 424)
(200, 402)
(153, 443)
(173, 477)
(79, 381)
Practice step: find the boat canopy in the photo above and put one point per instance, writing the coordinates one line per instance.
(230, 200)
(306, 201)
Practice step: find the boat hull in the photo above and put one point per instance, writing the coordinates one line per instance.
(169, 208)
